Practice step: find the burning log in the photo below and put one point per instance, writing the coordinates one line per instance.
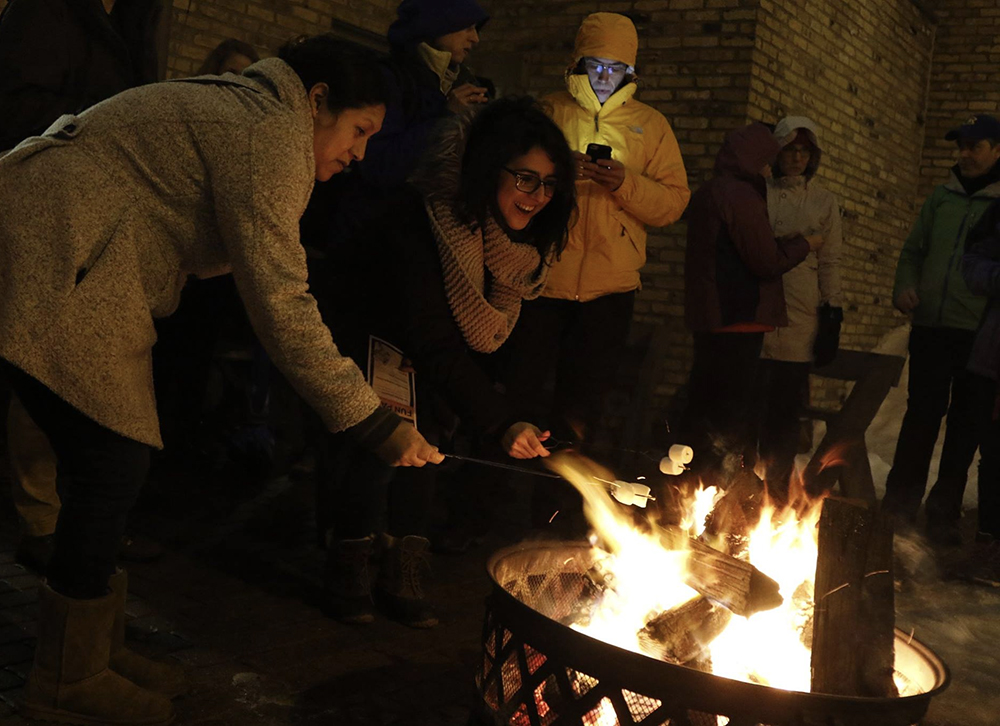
(737, 585)
(853, 618)
(738, 511)
(682, 634)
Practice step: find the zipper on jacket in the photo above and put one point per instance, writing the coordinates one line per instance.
(951, 262)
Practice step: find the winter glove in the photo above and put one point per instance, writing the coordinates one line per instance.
(828, 334)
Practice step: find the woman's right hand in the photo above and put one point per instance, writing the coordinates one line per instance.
(815, 242)
(524, 441)
(407, 447)
(466, 95)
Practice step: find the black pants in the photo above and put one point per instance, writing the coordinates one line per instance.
(582, 344)
(939, 384)
(989, 461)
(781, 386)
(99, 474)
(719, 422)
(358, 494)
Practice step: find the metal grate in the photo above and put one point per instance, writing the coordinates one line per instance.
(536, 671)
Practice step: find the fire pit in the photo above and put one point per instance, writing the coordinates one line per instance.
(536, 671)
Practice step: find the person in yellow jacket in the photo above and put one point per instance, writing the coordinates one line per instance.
(579, 326)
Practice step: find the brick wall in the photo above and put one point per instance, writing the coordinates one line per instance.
(859, 70)
(965, 79)
(197, 26)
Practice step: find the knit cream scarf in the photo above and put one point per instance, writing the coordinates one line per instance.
(485, 317)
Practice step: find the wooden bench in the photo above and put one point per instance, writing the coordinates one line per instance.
(842, 455)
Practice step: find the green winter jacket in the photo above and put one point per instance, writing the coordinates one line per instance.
(931, 259)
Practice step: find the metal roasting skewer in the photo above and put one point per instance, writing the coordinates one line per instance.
(639, 491)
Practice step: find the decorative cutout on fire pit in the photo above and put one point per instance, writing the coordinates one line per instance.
(640, 706)
(535, 660)
(581, 683)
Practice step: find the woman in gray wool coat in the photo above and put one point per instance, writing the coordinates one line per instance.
(105, 215)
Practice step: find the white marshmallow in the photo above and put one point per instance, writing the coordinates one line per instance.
(681, 454)
(670, 467)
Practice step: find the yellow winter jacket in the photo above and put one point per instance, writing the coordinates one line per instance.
(607, 245)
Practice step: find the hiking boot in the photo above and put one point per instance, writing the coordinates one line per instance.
(399, 590)
(70, 681)
(346, 586)
(35, 553)
(164, 678)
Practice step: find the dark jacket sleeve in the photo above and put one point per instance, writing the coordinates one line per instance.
(434, 341)
(745, 215)
(981, 263)
(34, 69)
(394, 151)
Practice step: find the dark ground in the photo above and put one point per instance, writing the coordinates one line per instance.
(235, 600)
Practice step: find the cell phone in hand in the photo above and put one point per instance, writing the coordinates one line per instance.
(598, 151)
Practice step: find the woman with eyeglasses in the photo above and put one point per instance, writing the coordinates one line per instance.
(471, 237)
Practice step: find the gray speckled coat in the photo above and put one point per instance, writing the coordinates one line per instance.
(106, 214)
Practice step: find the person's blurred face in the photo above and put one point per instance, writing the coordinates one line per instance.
(234, 63)
(529, 171)
(794, 158)
(339, 139)
(605, 76)
(459, 44)
(977, 157)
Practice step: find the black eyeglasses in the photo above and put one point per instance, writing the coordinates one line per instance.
(529, 183)
(598, 68)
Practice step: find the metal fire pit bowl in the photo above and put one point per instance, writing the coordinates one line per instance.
(537, 672)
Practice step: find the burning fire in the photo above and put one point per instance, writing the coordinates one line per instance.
(646, 578)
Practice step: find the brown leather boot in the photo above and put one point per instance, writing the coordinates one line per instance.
(346, 589)
(164, 678)
(399, 589)
(70, 681)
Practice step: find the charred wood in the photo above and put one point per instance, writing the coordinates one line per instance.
(854, 616)
(682, 634)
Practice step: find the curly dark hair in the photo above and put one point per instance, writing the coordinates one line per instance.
(353, 74)
(505, 130)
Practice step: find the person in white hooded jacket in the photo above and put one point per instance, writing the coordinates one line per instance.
(796, 203)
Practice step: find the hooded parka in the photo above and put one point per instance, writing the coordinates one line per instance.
(798, 204)
(200, 176)
(607, 245)
(733, 263)
(930, 261)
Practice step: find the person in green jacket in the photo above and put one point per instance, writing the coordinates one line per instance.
(945, 315)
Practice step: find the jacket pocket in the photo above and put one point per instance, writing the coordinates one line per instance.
(628, 240)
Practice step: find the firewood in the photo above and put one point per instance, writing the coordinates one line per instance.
(682, 634)
(722, 578)
(854, 617)
(737, 512)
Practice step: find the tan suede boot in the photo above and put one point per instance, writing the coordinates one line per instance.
(164, 678)
(399, 590)
(70, 681)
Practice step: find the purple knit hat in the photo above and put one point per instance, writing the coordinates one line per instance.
(420, 21)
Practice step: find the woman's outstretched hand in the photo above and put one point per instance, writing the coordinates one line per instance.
(524, 441)
(407, 447)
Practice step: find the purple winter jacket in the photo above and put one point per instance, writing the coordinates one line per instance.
(733, 263)
(981, 270)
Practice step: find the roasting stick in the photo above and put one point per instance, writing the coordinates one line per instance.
(630, 493)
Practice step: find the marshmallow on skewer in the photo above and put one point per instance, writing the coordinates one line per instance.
(681, 454)
(630, 493)
(670, 467)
